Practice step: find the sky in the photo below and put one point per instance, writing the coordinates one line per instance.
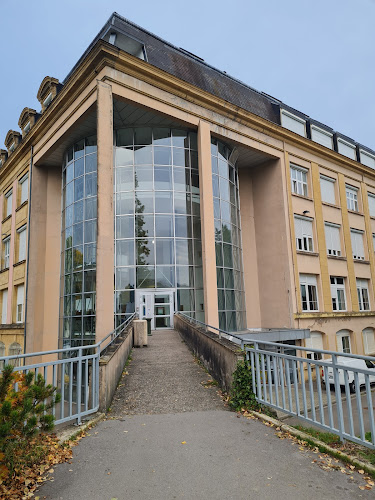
(314, 55)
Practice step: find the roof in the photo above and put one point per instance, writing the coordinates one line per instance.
(194, 70)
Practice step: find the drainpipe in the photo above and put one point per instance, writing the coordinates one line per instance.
(28, 248)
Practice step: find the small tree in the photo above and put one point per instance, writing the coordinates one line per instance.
(23, 414)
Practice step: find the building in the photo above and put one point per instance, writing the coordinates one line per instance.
(137, 164)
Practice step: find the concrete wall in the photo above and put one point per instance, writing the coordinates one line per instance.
(111, 365)
(219, 356)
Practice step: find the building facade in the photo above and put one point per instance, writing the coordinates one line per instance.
(151, 182)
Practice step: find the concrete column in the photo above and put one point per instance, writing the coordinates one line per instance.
(207, 224)
(369, 239)
(105, 237)
(12, 250)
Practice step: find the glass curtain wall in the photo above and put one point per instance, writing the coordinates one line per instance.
(231, 303)
(78, 257)
(157, 218)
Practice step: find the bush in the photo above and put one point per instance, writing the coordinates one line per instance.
(242, 396)
(24, 418)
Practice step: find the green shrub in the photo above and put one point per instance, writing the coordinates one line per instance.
(24, 416)
(241, 395)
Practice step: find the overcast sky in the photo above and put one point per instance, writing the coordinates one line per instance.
(316, 56)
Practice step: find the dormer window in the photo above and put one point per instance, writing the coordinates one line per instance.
(27, 128)
(12, 140)
(27, 120)
(47, 100)
(293, 123)
(125, 43)
(48, 91)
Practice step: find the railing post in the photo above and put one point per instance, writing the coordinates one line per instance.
(259, 388)
(336, 379)
(79, 385)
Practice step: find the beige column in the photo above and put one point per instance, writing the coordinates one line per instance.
(348, 244)
(369, 240)
(321, 239)
(105, 236)
(292, 233)
(207, 224)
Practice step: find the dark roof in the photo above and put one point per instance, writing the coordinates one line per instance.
(194, 70)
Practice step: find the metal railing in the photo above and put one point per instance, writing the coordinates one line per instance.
(222, 333)
(327, 389)
(330, 390)
(74, 371)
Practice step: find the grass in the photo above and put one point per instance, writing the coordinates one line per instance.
(325, 437)
(361, 452)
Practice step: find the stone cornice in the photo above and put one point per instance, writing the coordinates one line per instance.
(104, 55)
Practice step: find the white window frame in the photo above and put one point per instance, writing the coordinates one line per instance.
(6, 250)
(363, 294)
(351, 198)
(298, 179)
(335, 252)
(338, 293)
(332, 183)
(368, 344)
(24, 185)
(9, 202)
(20, 303)
(344, 346)
(322, 136)
(22, 243)
(358, 249)
(309, 288)
(294, 123)
(304, 239)
(47, 100)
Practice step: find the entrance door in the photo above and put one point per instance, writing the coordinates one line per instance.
(157, 305)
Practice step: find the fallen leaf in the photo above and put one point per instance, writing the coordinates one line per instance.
(183, 442)
(361, 471)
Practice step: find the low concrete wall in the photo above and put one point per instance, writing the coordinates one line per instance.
(219, 356)
(111, 365)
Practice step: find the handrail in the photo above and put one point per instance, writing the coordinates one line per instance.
(114, 333)
(221, 332)
(264, 342)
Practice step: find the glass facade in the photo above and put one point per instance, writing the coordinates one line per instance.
(78, 255)
(157, 218)
(231, 303)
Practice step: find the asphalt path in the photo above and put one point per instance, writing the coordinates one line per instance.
(169, 436)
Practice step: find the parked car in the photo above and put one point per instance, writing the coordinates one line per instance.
(363, 364)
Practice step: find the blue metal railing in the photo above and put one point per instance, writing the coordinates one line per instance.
(327, 389)
(73, 370)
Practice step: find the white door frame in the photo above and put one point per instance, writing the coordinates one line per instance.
(145, 303)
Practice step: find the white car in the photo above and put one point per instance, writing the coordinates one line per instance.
(363, 364)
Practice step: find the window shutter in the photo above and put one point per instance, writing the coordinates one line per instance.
(371, 204)
(22, 245)
(327, 188)
(298, 227)
(357, 245)
(369, 340)
(4, 307)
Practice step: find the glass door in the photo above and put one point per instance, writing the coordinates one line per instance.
(157, 305)
(163, 310)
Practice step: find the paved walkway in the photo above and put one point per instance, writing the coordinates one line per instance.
(169, 436)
